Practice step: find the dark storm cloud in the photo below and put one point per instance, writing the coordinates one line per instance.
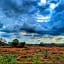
(1, 25)
(4, 34)
(26, 9)
(17, 7)
(58, 23)
(7, 36)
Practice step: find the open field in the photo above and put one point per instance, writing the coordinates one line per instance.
(32, 55)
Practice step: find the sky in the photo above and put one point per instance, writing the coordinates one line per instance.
(30, 20)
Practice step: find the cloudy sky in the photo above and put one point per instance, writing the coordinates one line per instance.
(30, 20)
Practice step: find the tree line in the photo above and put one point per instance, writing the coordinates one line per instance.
(17, 43)
(14, 43)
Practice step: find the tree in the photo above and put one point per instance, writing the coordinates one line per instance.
(15, 42)
(21, 44)
(3, 42)
(41, 44)
(53, 44)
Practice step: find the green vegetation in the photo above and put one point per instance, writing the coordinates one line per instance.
(8, 59)
(46, 53)
(35, 59)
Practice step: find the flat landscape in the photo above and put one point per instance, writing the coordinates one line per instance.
(32, 55)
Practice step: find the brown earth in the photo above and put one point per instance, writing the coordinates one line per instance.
(31, 51)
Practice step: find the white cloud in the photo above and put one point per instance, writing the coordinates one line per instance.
(52, 6)
(42, 2)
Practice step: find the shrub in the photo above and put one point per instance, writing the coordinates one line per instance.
(46, 53)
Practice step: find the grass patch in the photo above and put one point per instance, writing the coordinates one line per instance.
(8, 59)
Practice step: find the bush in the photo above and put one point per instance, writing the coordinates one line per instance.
(21, 44)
